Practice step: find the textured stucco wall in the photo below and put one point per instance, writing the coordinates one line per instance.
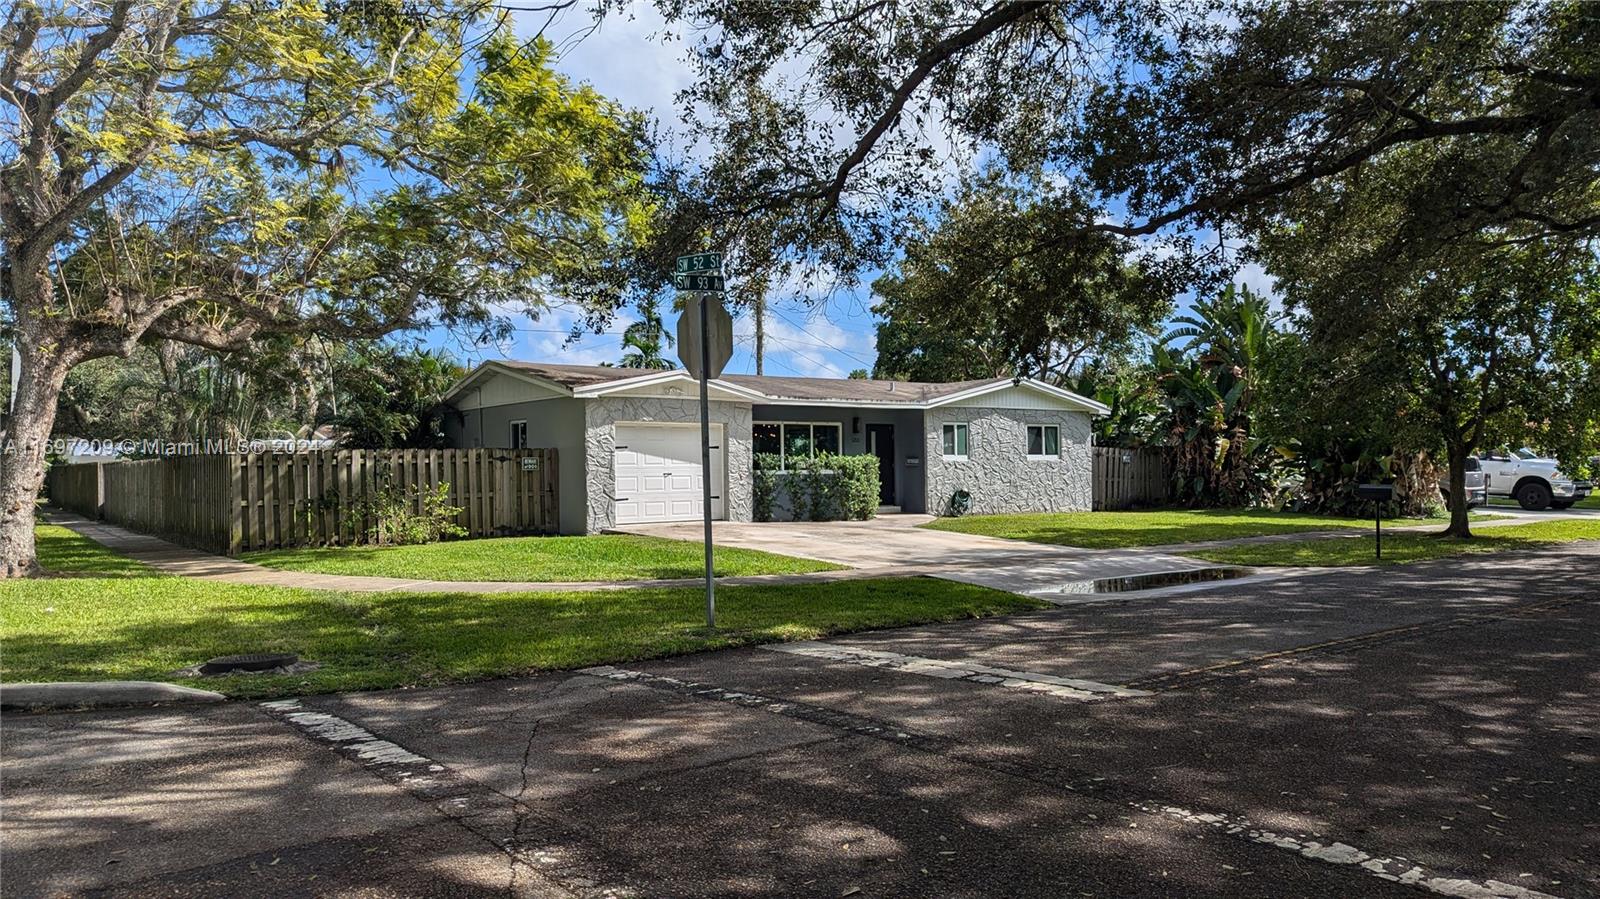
(997, 470)
(600, 439)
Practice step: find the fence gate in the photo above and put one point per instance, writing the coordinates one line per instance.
(1124, 478)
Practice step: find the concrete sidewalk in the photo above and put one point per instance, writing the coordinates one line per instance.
(874, 550)
(171, 558)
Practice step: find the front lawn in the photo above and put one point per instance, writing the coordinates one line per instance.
(1108, 530)
(1402, 548)
(602, 557)
(112, 621)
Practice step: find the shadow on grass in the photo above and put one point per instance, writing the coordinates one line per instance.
(148, 628)
(600, 557)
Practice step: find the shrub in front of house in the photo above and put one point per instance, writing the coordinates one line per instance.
(824, 488)
(397, 525)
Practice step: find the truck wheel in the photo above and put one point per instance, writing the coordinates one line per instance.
(1534, 497)
(1564, 504)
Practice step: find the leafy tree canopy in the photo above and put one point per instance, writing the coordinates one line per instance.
(218, 173)
(834, 121)
(1487, 337)
(392, 396)
(962, 304)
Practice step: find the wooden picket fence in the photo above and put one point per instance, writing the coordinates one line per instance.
(75, 488)
(238, 503)
(1125, 478)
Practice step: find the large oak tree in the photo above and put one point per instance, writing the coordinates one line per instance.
(1176, 119)
(219, 172)
(835, 120)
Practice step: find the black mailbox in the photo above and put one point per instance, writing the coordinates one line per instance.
(1378, 493)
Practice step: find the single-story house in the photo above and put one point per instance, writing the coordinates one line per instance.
(628, 440)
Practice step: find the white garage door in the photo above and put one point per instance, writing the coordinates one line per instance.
(657, 469)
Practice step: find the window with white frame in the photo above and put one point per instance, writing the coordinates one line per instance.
(1044, 442)
(796, 439)
(519, 435)
(955, 441)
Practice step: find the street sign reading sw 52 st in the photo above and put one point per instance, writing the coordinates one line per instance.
(696, 263)
(698, 282)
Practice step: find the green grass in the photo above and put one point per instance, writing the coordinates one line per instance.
(63, 552)
(1108, 530)
(114, 620)
(603, 557)
(1401, 548)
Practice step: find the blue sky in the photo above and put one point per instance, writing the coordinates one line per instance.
(637, 60)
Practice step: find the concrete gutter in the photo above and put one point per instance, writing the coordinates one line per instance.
(98, 695)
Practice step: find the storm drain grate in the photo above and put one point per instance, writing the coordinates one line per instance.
(255, 661)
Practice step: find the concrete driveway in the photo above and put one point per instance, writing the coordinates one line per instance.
(895, 544)
(1428, 731)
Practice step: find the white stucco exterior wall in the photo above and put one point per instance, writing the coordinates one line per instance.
(601, 415)
(997, 470)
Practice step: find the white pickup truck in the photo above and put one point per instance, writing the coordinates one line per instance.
(1534, 482)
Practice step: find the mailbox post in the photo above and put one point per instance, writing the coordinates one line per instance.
(1380, 494)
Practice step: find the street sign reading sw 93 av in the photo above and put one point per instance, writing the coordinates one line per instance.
(697, 282)
(699, 263)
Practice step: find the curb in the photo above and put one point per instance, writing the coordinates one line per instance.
(65, 695)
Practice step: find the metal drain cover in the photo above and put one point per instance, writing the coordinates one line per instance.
(256, 661)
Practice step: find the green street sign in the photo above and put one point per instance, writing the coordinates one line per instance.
(698, 263)
(698, 282)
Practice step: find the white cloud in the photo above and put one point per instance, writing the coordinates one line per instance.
(1253, 276)
(630, 55)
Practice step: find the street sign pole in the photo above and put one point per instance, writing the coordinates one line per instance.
(705, 454)
(699, 277)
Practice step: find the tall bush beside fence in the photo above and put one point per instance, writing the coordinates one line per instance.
(238, 503)
(824, 488)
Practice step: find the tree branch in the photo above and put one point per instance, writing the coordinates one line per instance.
(993, 19)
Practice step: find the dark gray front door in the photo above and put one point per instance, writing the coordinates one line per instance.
(880, 443)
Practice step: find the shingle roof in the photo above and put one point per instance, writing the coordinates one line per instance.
(853, 390)
(775, 389)
(578, 375)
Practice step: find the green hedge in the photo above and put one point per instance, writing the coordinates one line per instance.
(826, 488)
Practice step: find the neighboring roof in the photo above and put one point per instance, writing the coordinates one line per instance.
(576, 376)
(597, 380)
(860, 390)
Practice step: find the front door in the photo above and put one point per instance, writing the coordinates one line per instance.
(880, 443)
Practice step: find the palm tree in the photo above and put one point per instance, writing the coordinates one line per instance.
(644, 341)
(1210, 383)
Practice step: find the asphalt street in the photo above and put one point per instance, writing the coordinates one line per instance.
(1432, 729)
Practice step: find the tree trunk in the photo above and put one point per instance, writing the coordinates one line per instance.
(22, 474)
(1459, 526)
